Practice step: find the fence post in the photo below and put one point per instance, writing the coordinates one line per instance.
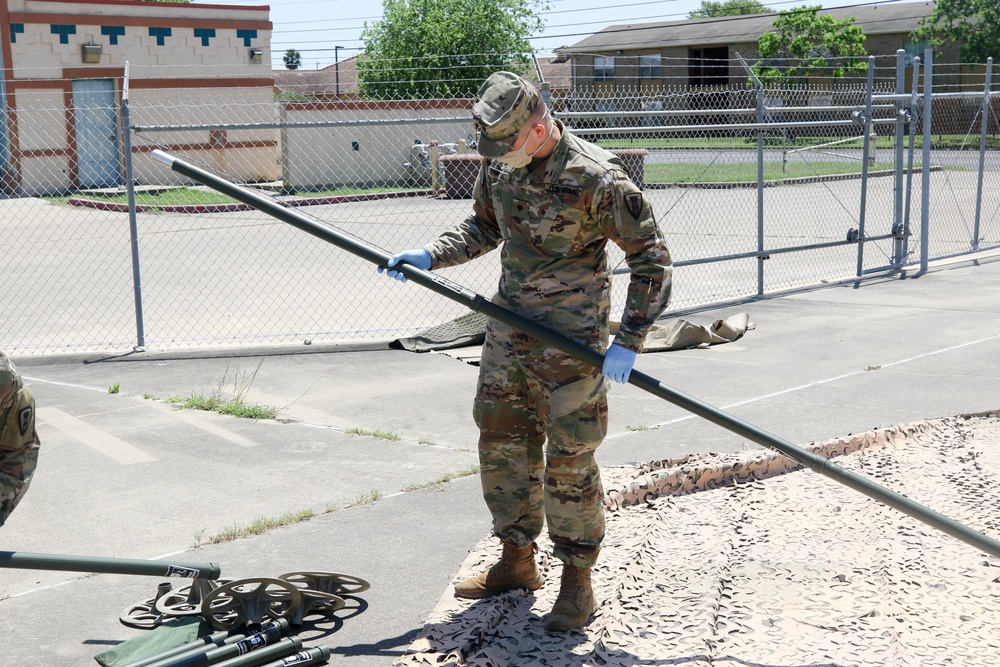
(898, 256)
(982, 153)
(925, 180)
(866, 124)
(760, 188)
(140, 333)
(915, 86)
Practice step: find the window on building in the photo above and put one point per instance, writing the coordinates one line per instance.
(709, 67)
(604, 68)
(914, 49)
(650, 66)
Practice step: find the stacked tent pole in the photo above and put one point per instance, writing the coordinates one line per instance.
(201, 644)
(479, 303)
(256, 649)
(302, 658)
(267, 633)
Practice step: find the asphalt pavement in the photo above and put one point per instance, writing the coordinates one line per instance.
(370, 458)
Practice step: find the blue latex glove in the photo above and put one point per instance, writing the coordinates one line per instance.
(618, 362)
(419, 258)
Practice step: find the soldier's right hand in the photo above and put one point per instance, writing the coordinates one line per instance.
(417, 257)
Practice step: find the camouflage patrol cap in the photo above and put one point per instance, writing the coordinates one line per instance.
(503, 105)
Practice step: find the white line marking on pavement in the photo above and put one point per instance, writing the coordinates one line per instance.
(817, 383)
(55, 585)
(200, 421)
(64, 384)
(188, 418)
(97, 439)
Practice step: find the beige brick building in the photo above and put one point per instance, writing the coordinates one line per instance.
(704, 52)
(64, 63)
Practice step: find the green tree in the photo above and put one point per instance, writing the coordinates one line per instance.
(806, 44)
(444, 48)
(975, 24)
(292, 58)
(710, 9)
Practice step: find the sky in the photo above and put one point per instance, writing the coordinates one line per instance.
(315, 27)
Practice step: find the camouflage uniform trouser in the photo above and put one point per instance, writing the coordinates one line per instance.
(541, 416)
(18, 439)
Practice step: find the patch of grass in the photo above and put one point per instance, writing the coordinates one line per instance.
(374, 433)
(229, 401)
(873, 368)
(358, 191)
(635, 429)
(148, 396)
(747, 171)
(262, 525)
(938, 141)
(114, 389)
(425, 441)
(367, 499)
(444, 479)
(258, 527)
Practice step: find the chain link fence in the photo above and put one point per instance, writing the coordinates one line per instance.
(757, 189)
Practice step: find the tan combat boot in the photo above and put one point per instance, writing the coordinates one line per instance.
(515, 569)
(575, 603)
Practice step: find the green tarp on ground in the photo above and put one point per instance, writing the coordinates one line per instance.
(679, 334)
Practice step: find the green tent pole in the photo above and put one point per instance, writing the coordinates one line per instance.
(152, 568)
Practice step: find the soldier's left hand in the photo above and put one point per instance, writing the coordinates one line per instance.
(618, 362)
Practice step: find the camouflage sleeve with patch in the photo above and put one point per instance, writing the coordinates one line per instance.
(18, 439)
(628, 220)
(474, 236)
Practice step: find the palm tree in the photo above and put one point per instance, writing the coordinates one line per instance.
(292, 59)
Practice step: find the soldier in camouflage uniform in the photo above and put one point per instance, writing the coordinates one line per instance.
(18, 440)
(552, 202)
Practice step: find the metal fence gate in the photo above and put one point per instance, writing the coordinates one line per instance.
(758, 191)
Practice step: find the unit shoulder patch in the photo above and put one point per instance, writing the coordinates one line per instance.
(633, 202)
(24, 419)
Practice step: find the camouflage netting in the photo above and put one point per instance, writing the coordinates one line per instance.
(746, 559)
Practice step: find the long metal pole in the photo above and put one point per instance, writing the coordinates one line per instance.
(866, 147)
(21, 560)
(479, 303)
(140, 328)
(925, 179)
(982, 153)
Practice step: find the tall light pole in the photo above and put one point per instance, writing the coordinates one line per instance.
(336, 67)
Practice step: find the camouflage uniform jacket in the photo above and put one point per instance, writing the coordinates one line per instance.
(18, 439)
(554, 218)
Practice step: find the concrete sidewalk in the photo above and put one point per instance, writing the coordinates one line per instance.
(127, 475)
